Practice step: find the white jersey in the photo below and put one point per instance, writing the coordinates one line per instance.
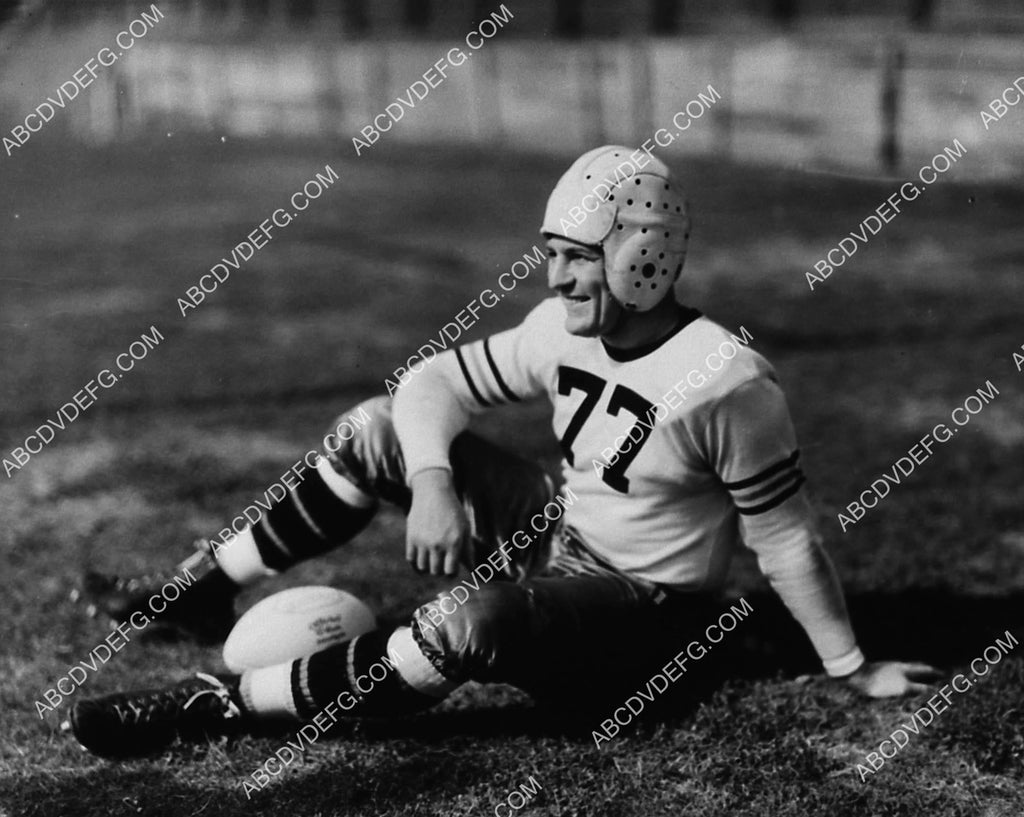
(676, 453)
(667, 446)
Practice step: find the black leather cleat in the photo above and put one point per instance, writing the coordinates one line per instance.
(136, 724)
(196, 598)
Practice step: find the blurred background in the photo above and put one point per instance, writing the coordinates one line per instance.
(827, 84)
(225, 108)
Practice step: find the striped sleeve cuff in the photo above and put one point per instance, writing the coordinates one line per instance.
(482, 375)
(769, 488)
(845, 664)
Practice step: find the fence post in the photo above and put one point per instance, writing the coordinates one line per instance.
(377, 74)
(590, 73)
(330, 99)
(487, 84)
(722, 116)
(892, 76)
(642, 91)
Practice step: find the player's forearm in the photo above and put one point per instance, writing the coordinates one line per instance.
(802, 574)
(428, 414)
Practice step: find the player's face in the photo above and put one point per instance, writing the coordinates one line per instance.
(576, 273)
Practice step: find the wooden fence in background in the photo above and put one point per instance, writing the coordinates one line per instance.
(842, 98)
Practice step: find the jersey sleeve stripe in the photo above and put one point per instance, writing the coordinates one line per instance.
(758, 491)
(771, 470)
(775, 501)
(469, 378)
(476, 363)
(497, 375)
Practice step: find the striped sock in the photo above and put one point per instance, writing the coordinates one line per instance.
(320, 513)
(367, 676)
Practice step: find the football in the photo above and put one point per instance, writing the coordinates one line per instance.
(293, 624)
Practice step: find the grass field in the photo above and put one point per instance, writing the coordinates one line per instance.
(98, 245)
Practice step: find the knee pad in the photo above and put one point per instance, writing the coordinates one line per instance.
(478, 635)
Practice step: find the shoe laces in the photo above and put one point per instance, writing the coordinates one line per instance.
(203, 554)
(154, 706)
(218, 689)
(132, 584)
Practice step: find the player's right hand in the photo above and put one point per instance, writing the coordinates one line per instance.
(437, 530)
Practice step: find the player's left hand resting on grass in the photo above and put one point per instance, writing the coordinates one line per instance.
(887, 679)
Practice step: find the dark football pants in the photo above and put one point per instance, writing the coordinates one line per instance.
(560, 621)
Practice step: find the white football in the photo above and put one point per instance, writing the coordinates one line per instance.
(293, 624)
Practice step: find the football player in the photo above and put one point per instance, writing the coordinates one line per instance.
(677, 448)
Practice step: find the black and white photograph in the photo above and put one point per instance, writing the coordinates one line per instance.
(555, 408)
